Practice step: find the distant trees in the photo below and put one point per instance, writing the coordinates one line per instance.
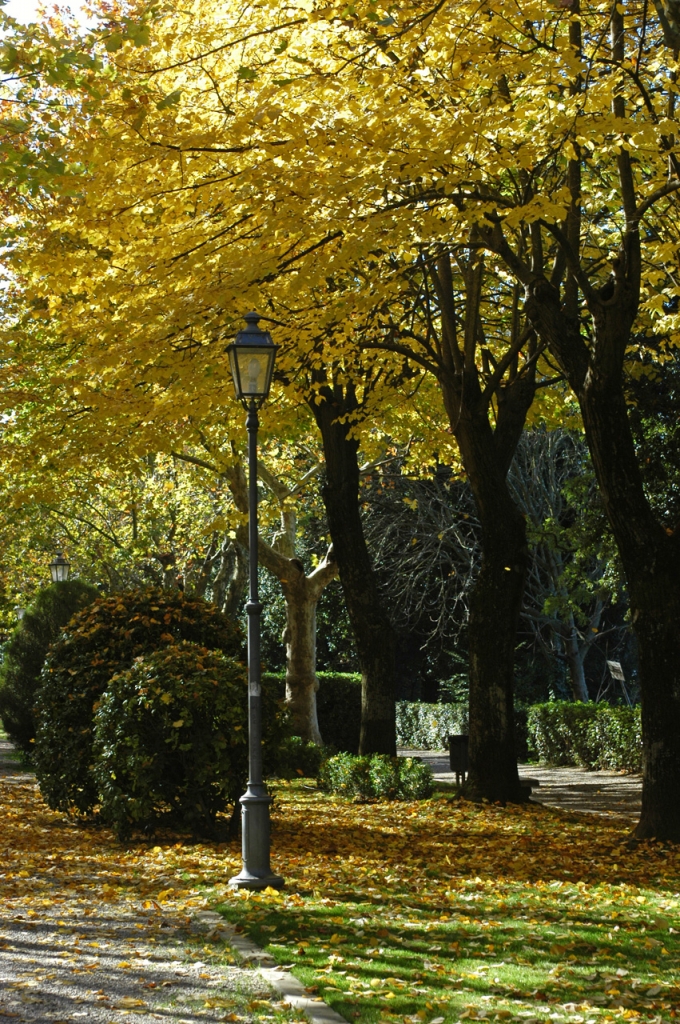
(425, 536)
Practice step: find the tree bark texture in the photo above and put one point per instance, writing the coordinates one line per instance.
(651, 561)
(372, 631)
(302, 595)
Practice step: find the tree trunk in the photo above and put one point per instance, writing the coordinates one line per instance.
(575, 653)
(373, 633)
(494, 616)
(651, 561)
(302, 596)
(497, 597)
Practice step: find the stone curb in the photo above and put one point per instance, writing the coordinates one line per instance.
(288, 987)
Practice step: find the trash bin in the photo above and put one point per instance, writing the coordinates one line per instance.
(458, 756)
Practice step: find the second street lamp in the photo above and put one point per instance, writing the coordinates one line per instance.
(251, 358)
(59, 568)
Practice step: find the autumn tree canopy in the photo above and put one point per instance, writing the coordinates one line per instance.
(310, 160)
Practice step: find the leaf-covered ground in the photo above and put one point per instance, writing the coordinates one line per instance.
(444, 911)
(92, 932)
(439, 911)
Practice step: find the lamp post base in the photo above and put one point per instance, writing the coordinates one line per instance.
(244, 880)
(256, 872)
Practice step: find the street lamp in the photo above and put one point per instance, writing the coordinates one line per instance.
(59, 568)
(251, 359)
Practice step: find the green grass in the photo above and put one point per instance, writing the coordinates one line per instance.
(391, 944)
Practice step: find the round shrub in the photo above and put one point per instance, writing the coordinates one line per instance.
(101, 641)
(171, 739)
(415, 779)
(347, 775)
(26, 651)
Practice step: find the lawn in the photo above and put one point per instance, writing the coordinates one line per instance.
(438, 911)
(444, 910)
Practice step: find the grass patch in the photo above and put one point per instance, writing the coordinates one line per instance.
(444, 911)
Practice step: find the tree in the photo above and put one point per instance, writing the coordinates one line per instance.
(618, 145)
(301, 592)
(151, 522)
(25, 653)
(335, 406)
(282, 237)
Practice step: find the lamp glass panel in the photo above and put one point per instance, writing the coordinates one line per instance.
(234, 371)
(254, 370)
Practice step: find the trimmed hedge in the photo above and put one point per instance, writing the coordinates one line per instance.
(338, 706)
(423, 726)
(428, 726)
(377, 777)
(590, 735)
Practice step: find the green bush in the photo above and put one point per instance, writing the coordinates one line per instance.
(379, 776)
(590, 735)
(347, 774)
(415, 779)
(25, 654)
(171, 739)
(338, 706)
(383, 776)
(296, 757)
(101, 641)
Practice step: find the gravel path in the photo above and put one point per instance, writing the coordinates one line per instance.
(92, 932)
(571, 789)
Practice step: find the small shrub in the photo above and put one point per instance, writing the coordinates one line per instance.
(415, 779)
(383, 775)
(101, 641)
(590, 735)
(296, 757)
(171, 739)
(378, 776)
(347, 775)
(25, 654)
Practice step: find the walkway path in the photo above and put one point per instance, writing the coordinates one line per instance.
(90, 932)
(572, 789)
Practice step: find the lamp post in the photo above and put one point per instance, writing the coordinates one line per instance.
(59, 568)
(251, 359)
